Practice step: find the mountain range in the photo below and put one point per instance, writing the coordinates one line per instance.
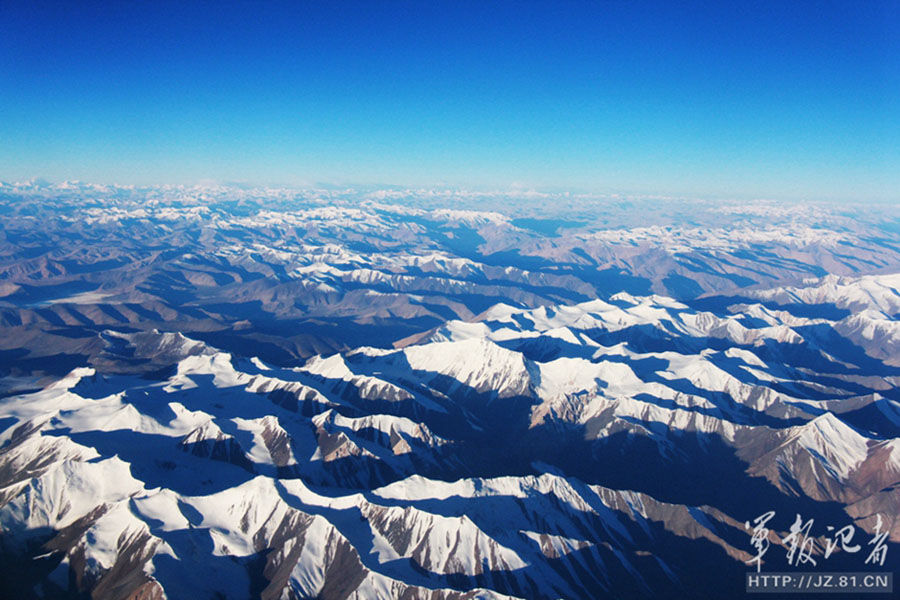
(232, 394)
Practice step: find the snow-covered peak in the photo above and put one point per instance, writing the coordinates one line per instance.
(878, 292)
(838, 446)
(477, 363)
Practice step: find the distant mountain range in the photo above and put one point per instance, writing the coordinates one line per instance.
(284, 275)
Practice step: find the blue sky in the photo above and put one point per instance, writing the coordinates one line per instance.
(773, 99)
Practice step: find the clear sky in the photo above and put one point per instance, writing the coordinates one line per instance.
(780, 99)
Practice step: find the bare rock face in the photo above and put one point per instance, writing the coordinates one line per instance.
(208, 441)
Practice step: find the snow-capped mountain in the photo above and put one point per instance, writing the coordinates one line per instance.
(609, 448)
